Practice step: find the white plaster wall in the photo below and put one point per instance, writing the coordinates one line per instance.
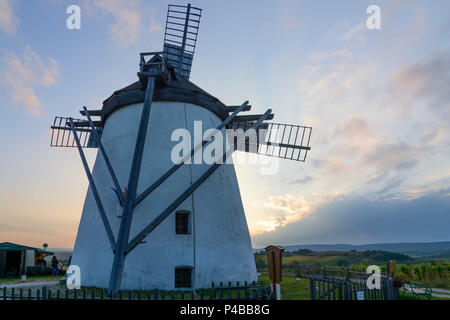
(219, 246)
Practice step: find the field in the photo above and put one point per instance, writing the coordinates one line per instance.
(431, 272)
(293, 289)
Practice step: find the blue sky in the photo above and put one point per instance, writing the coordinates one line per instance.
(378, 101)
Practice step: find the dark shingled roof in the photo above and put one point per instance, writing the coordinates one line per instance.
(181, 90)
(8, 246)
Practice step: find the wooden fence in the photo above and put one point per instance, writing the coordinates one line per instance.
(253, 291)
(336, 289)
(339, 273)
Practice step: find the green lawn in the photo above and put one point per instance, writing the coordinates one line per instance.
(32, 279)
(291, 289)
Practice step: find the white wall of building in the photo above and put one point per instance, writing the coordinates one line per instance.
(218, 247)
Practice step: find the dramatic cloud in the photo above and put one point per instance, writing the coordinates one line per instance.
(24, 73)
(8, 21)
(287, 209)
(359, 220)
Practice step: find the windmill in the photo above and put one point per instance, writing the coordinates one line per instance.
(176, 225)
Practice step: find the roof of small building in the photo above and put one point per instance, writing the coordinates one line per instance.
(9, 246)
(180, 89)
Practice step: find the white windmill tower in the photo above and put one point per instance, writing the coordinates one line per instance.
(176, 225)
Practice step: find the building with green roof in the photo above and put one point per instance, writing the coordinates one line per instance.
(16, 258)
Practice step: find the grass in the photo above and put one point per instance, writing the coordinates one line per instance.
(290, 288)
(31, 279)
(410, 296)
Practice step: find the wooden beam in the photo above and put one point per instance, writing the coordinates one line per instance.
(252, 117)
(233, 108)
(96, 113)
(87, 124)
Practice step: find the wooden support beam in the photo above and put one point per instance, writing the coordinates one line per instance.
(233, 108)
(101, 209)
(252, 117)
(94, 113)
(78, 124)
(128, 207)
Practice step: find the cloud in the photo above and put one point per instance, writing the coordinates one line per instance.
(415, 193)
(286, 209)
(8, 21)
(24, 73)
(354, 127)
(335, 166)
(127, 19)
(357, 220)
(396, 157)
(425, 83)
(340, 53)
(355, 33)
(305, 180)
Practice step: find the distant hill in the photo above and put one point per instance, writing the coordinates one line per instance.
(413, 249)
(337, 258)
(62, 254)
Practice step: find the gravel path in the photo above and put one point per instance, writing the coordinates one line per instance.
(438, 293)
(31, 285)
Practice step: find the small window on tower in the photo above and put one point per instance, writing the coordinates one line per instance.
(182, 222)
(183, 277)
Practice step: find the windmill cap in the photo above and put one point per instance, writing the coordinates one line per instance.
(180, 89)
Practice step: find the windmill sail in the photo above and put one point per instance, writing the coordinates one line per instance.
(180, 37)
(62, 135)
(279, 140)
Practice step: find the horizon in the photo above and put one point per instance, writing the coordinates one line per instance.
(312, 244)
(378, 102)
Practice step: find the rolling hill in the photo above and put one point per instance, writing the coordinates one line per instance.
(413, 249)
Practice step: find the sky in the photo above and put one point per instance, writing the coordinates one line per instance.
(378, 101)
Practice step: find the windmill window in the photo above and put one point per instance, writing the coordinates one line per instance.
(183, 277)
(182, 222)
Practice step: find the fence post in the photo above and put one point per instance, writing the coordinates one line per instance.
(347, 275)
(346, 297)
(312, 288)
(213, 291)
